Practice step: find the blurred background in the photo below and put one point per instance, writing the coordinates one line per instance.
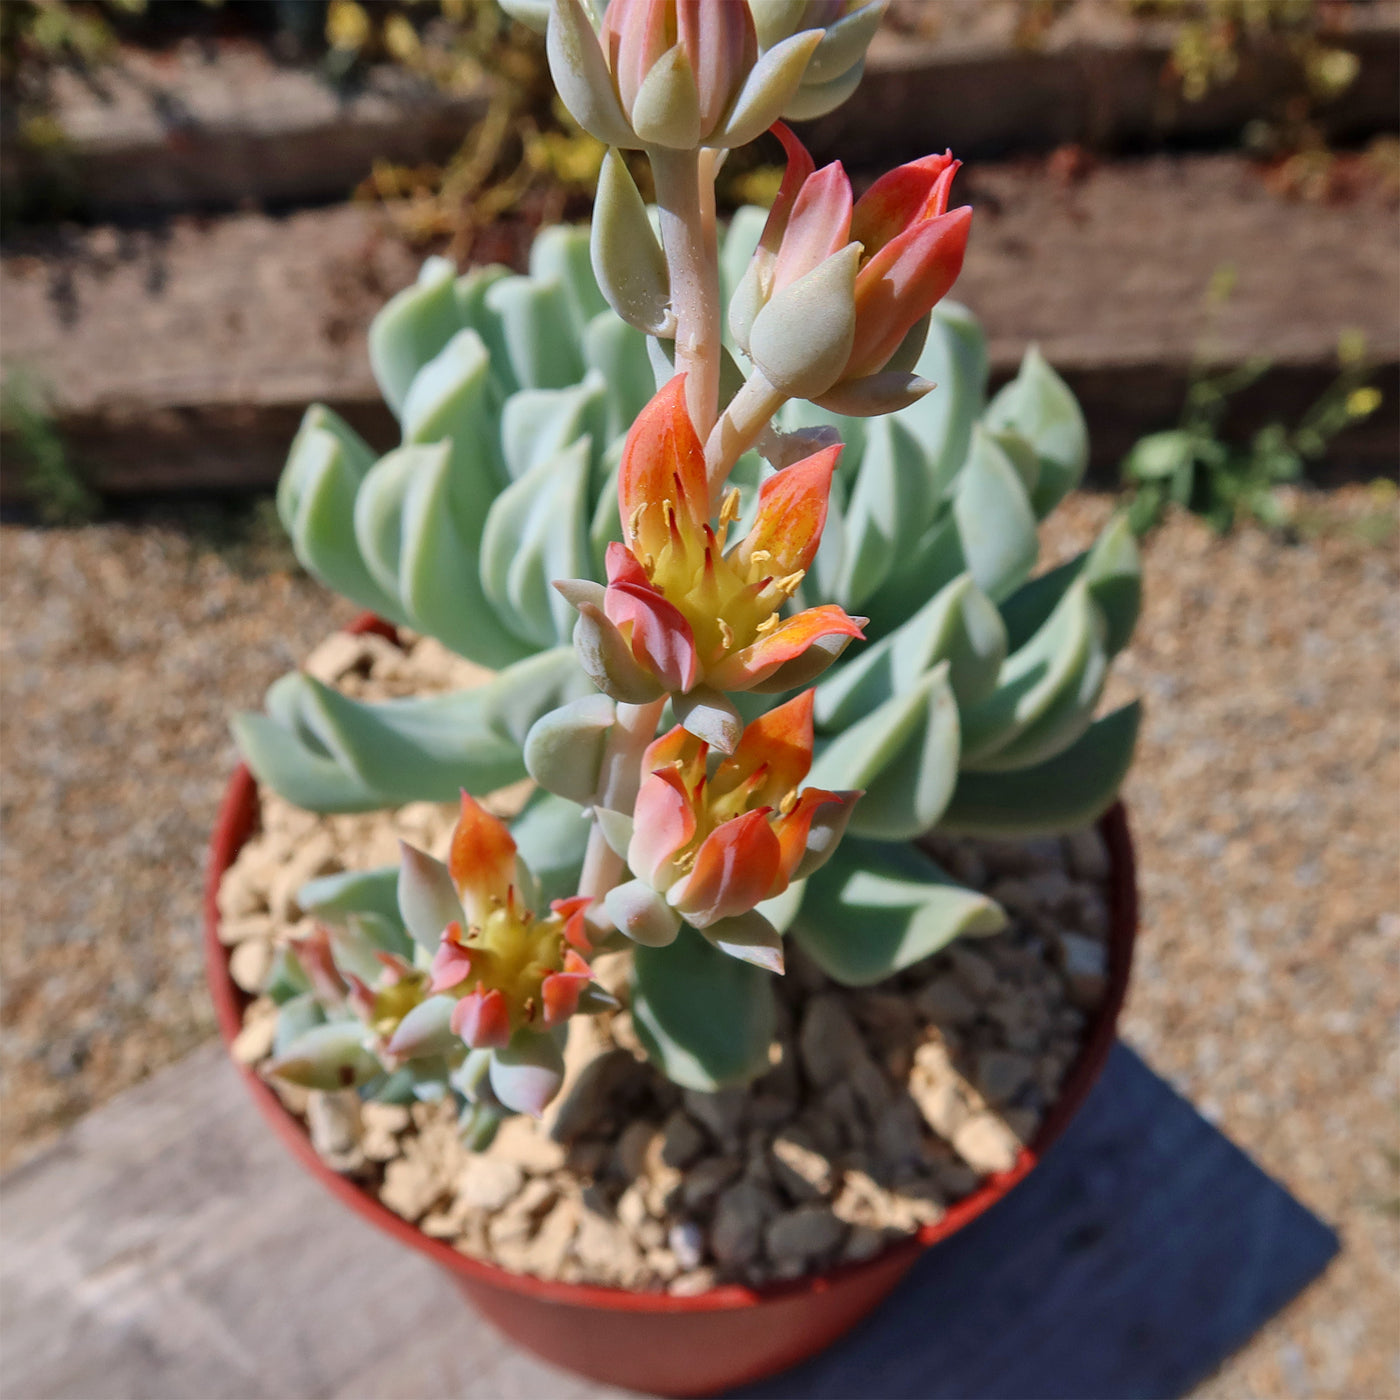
(1190, 205)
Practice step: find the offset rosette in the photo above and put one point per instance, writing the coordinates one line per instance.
(503, 979)
(686, 616)
(834, 304)
(707, 848)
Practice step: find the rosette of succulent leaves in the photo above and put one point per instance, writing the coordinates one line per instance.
(969, 704)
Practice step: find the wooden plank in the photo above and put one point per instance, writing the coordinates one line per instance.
(241, 321)
(168, 1246)
(222, 126)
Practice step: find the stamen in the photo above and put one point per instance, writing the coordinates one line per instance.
(788, 586)
(726, 635)
(767, 625)
(634, 521)
(788, 803)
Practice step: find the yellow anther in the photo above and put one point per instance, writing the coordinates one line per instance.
(768, 624)
(726, 635)
(788, 803)
(788, 586)
(634, 522)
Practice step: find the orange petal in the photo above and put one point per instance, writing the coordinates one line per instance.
(734, 870)
(781, 743)
(676, 745)
(818, 226)
(792, 513)
(662, 460)
(663, 824)
(482, 1019)
(910, 195)
(792, 830)
(560, 991)
(745, 668)
(482, 859)
(901, 284)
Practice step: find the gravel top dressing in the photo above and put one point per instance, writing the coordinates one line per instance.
(883, 1105)
(1263, 803)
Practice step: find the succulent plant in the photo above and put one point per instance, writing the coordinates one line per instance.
(548, 514)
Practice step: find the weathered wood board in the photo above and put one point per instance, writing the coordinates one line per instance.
(168, 1248)
(182, 358)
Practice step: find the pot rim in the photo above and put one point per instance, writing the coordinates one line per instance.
(236, 823)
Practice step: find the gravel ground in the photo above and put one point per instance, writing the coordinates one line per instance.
(1264, 802)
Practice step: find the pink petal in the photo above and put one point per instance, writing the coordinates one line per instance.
(662, 460)
(780, 744)
(560, 991)
(799, 166)
(663, 823)
(452, 964)
(660, 639)
(791, 515)
(482, 1019)
(572, 911)
(719, 40)
(792, 830)
(633, 38)
(910, 195)
(819, 225)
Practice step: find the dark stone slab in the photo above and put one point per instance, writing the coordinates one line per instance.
(1142, 1252)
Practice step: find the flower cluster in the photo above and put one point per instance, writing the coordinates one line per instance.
(708, 848)
(684, 612)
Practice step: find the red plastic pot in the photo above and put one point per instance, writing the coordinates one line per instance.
(653, 1342)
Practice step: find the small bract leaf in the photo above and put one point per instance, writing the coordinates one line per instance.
(564, 748)
(427, 898)
(627, 257)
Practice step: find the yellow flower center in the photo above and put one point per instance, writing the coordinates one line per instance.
(728, 600)
(513, 952)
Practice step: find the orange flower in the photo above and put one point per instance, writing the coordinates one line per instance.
(684, 612)
(712, 847)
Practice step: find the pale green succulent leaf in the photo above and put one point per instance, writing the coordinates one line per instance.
(456, 398)
(551, 836)
(474, 314)
(996, 526)
(1062, 794)
(954, 357)
(333, 897)
(564, 748)
(1038, 404)
(330, 1056)
(705, 1019)
(877, 908)
(617, 354)
(627, 258)
(282, 760)
(581, 76)
(560, 253)
(323, 528)
(889, 507)
(440, 580)
(537, 325)
(958, 625)
(538, 424)
(537, 531)
(769, 90)
(902, 755)
(1113, 570)
(812, 100)
(1042, 690)
(412, 327)
(357, 456)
